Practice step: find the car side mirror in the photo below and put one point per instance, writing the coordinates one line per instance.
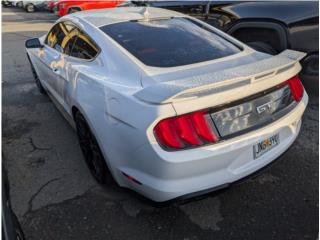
(33, 43)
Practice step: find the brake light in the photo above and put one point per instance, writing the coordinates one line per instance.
(203, 128)
(296, 88)
(167, 135)
(185, 131)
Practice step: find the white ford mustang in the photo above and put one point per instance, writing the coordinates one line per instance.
(169, 105)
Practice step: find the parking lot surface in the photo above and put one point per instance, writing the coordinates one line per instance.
(55, 197)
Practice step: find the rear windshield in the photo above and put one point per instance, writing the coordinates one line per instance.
(169, 42)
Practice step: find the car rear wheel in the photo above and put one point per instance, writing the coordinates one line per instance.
(262, 47)
(91, 151)
(30, 8)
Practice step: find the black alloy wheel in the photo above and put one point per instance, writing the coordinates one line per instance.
(91, 150)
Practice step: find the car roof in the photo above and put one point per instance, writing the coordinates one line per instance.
(108, 16)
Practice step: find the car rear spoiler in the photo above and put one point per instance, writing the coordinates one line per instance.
(216, 82)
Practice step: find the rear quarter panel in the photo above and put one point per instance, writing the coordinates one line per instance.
(103, 91)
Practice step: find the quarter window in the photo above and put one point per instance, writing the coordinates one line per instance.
(69, 45)
(84, 48)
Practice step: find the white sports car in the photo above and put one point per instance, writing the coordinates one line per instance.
(169, 105)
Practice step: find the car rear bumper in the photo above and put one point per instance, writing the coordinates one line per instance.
(170, 175)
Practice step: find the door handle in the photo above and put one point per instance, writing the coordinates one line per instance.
(56, 70)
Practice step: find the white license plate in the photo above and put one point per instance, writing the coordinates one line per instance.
(265, 145)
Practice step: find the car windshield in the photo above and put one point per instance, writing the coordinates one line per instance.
(170, 42)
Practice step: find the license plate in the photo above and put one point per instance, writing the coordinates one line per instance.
(265, 145)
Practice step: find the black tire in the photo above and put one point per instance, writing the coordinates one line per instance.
(73, 10)
(262, 47)
(91, 151)
(30, 8)
(17, 228)
(6, 4)
(36, 78)
(19, 4)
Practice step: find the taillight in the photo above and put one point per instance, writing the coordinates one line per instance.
(296, 88)
(189, 130)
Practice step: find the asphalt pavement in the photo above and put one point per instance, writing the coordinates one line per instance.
(55, 197)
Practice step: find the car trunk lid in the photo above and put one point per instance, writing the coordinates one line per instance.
(223, 84)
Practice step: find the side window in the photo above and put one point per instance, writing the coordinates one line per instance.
(69, 44)
(84, 48)
(66, 38)
(70, 39)
(55, 37)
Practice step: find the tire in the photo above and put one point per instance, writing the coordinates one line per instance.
(17, 228)
(19, 4)
(36, 78)
(73, 10)
(262, 47)
(5, 3)
(30, 8)
(91, 151)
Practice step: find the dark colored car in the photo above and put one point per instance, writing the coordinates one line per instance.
(269, 27)
(11, 229)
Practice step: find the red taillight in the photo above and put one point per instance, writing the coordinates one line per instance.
(203, 128)
(296, 88)
(185, 131)
(166, 133)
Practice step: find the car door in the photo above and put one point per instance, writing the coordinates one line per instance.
(79, 52)
(52, 59)
(62, 75)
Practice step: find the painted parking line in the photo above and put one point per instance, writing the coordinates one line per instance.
(9, 27)
(9, 14)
